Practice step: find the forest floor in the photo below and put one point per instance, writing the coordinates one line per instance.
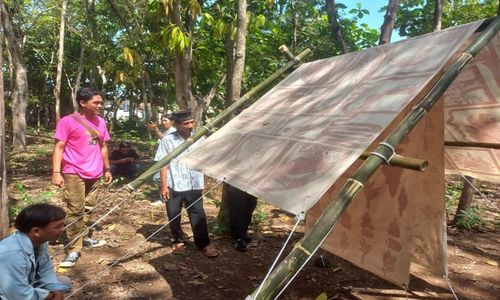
(148, 270)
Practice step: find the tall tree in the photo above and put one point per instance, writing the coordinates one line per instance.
(235, 67)
(19, 92)
(389, 19)
(331, 11)
(60, 59)
(438, 15)
(465, 201)
(4, 215)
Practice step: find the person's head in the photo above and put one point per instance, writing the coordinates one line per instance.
(42, 222)
(183, 122)
(124, 147)
(166, 122)
(90, 101)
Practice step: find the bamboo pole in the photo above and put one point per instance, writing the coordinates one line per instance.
(308, 245)
(472, 144)
(210, 126)
(403, 162)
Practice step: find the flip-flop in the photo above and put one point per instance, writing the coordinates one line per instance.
(210, 251)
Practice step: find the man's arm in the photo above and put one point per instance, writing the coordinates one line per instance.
(107, 173)
(47, 276)
(164, 193)
(153, 127)
(57, 155)
(14, 282)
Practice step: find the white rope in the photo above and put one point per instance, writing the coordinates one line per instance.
(84, 232)
(406, 291)
(451, 288)
(474, 187)
(305, 262)
(143, 242)
(90, 210)
(300, 217)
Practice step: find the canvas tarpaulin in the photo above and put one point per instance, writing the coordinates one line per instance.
(472, 114)
(304, 134)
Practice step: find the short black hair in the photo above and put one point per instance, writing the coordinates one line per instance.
(85, 94)
(38, 215)
(124, 145)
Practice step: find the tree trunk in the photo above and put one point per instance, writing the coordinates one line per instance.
(20, 88)
(4, 200)
(95, 37)
(438, 15)
(60, 59)
(388, 26)
(236, 66)
(295, 26)
(466, 197)
(331, 11)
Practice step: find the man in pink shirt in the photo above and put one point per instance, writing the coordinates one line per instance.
(79, 160)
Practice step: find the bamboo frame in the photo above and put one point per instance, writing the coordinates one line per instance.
(308, 245)
(210, 126)
(403, 162)
(472, 144)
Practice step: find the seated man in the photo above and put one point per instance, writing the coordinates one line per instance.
(123, 161)
(26, 269)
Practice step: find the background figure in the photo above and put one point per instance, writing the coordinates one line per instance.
(123, 161)
(241, 207)
(166, 124)
(26, 269)
(80, 156)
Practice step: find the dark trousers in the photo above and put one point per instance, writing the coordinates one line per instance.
(241, 207)
(196, 215)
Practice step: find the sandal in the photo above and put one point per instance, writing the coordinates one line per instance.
(210, 251)
(178, 248)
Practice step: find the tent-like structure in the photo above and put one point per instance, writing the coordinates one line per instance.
(298, 144)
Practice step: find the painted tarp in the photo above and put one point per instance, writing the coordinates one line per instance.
(472, 114)
(297, 143)
(398, 219)
(300, 137)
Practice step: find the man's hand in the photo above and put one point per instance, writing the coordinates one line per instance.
(108, 177)
(55, 295)
(57, 180)
(164, 193)
(152, 125)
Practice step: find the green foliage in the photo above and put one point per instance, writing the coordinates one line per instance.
(452, 195)
(470, 218)
(259, 217)
(26, 199)
(415, 17)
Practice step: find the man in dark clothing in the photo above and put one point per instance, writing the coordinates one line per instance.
(123, 160)
(241, 207)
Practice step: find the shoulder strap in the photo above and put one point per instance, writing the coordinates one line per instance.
(93, 132)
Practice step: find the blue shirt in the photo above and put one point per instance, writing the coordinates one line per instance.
(22, 276)
(179, 177)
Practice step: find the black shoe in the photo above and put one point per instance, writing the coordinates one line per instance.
(248, 239)
(240, 245)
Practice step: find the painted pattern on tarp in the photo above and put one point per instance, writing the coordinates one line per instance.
(472, 114)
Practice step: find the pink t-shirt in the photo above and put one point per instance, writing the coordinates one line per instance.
(82, 154)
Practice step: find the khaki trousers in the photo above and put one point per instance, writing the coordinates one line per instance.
(80, 196)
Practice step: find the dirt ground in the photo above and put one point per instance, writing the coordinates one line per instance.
(136, 236)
